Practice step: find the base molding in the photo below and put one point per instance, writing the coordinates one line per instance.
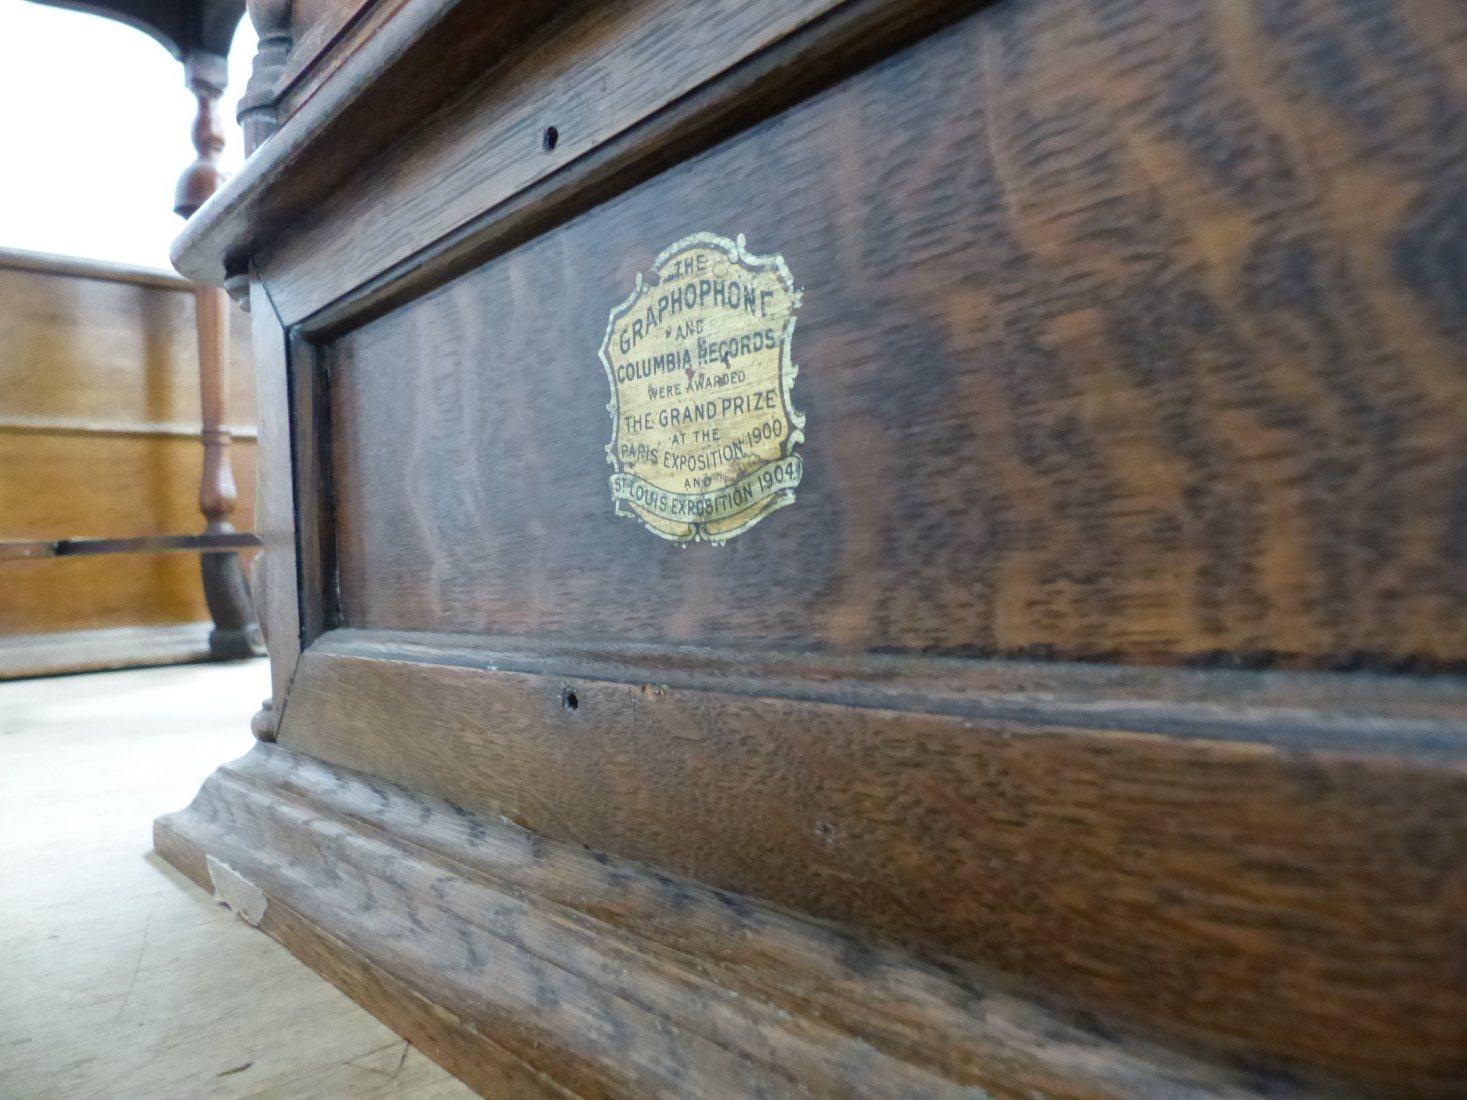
(24, 655)
(533, 968)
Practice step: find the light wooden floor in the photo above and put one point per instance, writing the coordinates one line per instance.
(121, 979)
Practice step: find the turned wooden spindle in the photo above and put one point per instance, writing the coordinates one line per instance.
(236, 633)
(217, 493)
(256, 112)
(206, 75)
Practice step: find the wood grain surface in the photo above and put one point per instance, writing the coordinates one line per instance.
(1296, 895)
(273, 578)
(1132, 333)
(628, 88)
(325, 35)
(559, 971)
(356, 108)
(1133, 338)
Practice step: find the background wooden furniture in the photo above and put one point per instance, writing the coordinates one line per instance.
(1091, 725)
(198, 33)
(99, 435)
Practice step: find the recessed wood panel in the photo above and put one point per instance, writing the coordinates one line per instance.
(1131, 335)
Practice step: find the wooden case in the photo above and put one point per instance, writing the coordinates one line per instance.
(1090, 724)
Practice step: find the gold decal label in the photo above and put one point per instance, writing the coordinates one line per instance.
(703, 429)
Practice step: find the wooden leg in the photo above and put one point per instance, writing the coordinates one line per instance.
(236, 632)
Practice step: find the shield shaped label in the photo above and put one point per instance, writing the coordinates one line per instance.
(703, 428)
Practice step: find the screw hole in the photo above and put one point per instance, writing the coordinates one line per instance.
(551, 139)
(569, 701)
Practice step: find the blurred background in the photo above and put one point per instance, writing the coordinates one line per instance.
(107, 355)
(103, 137)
